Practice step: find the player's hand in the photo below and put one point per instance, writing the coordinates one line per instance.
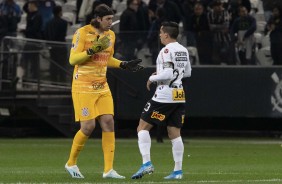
(132, 65)
(99, 45)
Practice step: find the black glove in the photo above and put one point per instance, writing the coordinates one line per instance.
(132, 65)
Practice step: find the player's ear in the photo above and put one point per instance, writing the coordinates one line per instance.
(99, 19)
(166, 35)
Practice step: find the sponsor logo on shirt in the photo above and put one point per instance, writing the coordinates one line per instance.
(178, 95)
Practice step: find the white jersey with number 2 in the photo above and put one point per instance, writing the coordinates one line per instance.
(172, 65)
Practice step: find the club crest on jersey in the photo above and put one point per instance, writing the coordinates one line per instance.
(157, 115)
(166, 51)
(85, 112)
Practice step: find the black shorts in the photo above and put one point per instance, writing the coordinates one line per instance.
(169, 114)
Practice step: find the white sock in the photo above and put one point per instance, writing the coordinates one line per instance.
(144, 143)
(177, 151)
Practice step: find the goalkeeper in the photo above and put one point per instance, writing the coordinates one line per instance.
(91, 53)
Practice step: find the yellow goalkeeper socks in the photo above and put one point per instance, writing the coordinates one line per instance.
(108, 144)
(78, 143)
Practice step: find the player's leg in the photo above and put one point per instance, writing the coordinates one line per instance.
(177, 152)
(144, 144)
(106, 120)
(77, 146)
(144, 140)
(86, 116)
(174, 126)
(146, 122)
(80, 139)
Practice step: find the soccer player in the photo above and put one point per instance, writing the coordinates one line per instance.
(167, 105)
(91, 53)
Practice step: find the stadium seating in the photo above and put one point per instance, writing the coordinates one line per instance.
(69, 17)
(121, 6)
(69, 14)
(69, 6)
(264, 56)
(193, 55)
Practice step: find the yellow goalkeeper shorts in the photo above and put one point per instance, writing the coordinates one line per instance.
(88, 106)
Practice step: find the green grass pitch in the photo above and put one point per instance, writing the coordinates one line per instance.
(212, 161)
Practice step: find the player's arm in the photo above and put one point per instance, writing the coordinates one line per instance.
(166, 74)
(132, 65)
(78, 55)
(78, 58)
(113, 62)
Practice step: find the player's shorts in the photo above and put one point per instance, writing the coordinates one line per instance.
(88, 106)
(170, 114)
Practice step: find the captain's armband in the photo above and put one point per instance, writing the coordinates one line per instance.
(168, 65)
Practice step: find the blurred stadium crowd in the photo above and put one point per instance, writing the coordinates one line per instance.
(216, 32)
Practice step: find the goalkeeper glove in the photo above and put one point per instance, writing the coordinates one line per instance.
(99, 45)
(132, 65)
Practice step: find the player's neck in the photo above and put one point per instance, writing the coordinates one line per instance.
(168, 41)
(100, 31)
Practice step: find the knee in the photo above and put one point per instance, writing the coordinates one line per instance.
(107, 124)
(143, 125)
(169, 134)
(87, 130)
(87, 127)
(173, 133)
(139, 128)
(172, 136)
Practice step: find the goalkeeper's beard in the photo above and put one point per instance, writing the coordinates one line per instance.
(107, 28)
(98, 25)
(104, 28)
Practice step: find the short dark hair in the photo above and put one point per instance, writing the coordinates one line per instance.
(171, 28)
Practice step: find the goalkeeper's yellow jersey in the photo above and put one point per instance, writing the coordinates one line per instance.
(90, 75)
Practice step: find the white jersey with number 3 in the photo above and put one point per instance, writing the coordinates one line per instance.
(174, 56)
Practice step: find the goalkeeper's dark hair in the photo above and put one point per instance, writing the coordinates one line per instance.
(171, 28)
(101, 11)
